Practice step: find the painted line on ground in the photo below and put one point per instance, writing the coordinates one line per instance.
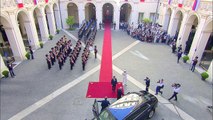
(176, 110)
(125, 49)
(53, 95)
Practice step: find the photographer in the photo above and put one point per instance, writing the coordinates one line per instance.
(159, 87)
(176, 89)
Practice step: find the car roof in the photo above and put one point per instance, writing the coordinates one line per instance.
(125, 105)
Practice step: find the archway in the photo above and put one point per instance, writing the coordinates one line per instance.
(90, 11)
(125, 12)
(190, 32)
(107, 12)
(206, 46)
(56, 16)
(24, 27)
(72, 10)
(167, 19)
(5, 48)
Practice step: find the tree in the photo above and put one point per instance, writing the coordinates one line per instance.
(70, 21)
(146, 20)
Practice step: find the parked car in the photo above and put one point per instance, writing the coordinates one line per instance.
(132, 106)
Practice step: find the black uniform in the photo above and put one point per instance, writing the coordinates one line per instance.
(104, 103)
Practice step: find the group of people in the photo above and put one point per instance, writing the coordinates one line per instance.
(89, 47)
(160, 85)
(60, 52)
(148, 32)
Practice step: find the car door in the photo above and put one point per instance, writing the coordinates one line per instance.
(139, 114)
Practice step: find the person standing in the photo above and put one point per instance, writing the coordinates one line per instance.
(10, 68)
(100, 25)
(114, 83)
(124, 78)
(159, 87)
(176, 89)
(119, 93)
(179, 55)
(180, 48)
(95, 51)
(147, 80)
(173, 47)
(48, 62)
(31, 52)
(194, 62)
(104, 103)
(114, 25)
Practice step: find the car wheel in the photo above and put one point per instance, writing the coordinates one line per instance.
(151, 114)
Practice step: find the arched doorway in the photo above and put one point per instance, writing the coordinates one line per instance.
(72, 10)
(107, 13)
(90, 11)
(5, 48)
(50, 20)
(190, 31)
(24, 27)
(167, 19)
(57, 16)
(125, 12)
(206, 46)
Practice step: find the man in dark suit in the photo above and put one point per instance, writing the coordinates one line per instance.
(114, 83)
(31, 52)
(119, 93)
(194, 62)
(10, 68)
(179, 55)
(147, 80)
(104, 103)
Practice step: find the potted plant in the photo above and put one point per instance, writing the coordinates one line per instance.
(27, 55)
(5, 73)
(41, 44)
(204, 75)
(50, 37)
(70, 21)
(57, 31)
(185, 58)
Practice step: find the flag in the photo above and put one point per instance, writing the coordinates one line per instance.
(46, 1)
(142, 0)
(180, 3)
(35, 2)
(20, 3)
(169, 2)
(195, 5)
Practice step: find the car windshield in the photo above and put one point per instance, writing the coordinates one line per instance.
(128, 101)
(106, 115)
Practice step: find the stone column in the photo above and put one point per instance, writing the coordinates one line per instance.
(43, 25)
(2, 66)
(116, 17)
(64, 14)
(51, 23)
(210, 71)
(15, 39)
(57, 19)
(31, 31)
(81, 13)
(173, 21)
(99, 13)
(134, 15)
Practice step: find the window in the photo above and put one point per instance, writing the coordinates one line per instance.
(140, 17)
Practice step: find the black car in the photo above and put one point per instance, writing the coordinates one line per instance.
(133, 106)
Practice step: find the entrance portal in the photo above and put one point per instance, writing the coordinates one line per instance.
(108, 13)
(125, 12)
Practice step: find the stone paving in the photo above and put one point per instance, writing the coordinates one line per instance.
(34, 81)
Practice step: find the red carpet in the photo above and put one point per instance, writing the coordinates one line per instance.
(106, 62)
(103, 88)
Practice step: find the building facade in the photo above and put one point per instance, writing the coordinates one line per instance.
(26, 23)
